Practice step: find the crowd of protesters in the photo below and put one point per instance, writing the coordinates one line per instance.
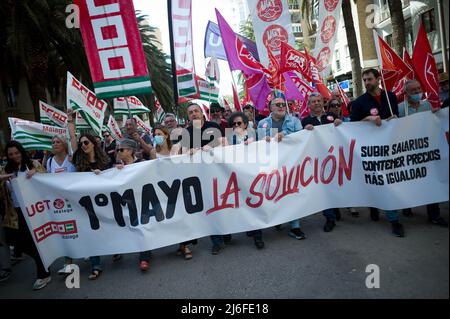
(93, 155)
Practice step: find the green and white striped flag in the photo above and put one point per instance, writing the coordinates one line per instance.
(186, 85)
(208, 90)
(136, 106)
(82, 100)
(51, 115)
(33, 135)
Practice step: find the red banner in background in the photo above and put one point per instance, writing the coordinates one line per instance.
(114, 48)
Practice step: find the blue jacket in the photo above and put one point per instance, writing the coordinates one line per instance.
(291, 125)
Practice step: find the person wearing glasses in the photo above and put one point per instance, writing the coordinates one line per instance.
(126, 150)
(217, 115)
(88, 157)
(317, 116)
(145, 141)
(242, 134)
(109, 145)
(275, 127)
(175, 131)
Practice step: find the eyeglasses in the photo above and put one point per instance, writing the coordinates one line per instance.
(85, 143)
(335, 105)
(237, 123)
(279, 105)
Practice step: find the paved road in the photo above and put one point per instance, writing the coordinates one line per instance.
(326, 265)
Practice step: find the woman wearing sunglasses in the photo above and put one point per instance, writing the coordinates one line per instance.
(126, 155)
(88, 157)
(239, 134)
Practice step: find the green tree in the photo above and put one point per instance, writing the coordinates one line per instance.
(36, 45)
(398, 25)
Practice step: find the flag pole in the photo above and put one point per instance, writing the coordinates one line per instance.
(172, 54)
(377, 46)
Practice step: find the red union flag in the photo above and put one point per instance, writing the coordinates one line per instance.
(293, 60)
(394, 69)
(425, 66)
(114, 48)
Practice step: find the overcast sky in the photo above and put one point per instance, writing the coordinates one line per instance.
(202, 12)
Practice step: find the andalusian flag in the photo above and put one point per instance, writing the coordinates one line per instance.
(32, 135)
(208, 91)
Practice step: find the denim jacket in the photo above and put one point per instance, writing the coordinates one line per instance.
(291, 125)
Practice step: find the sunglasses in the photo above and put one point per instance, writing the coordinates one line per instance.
(279, 105)
(335, 105)
(121, 150)
(85, 143)
(215, 111)
(237, 123)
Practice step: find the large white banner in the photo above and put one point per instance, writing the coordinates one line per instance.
(158, 203)
(272, 25)
(329, 16)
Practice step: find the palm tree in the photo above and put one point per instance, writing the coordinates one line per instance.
(36, 45)
(159, 69)
(398, 25)
(306, 15)
(352, 47)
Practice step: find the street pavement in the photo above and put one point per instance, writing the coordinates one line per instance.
(325, 265)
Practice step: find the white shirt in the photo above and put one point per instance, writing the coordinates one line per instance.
(65, 167)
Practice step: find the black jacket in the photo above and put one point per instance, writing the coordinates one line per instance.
(366, 104)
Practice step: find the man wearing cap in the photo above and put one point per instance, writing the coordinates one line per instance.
(144, 141)
(317, 116)
(374, 106)
(278, 125)
(217, 112)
